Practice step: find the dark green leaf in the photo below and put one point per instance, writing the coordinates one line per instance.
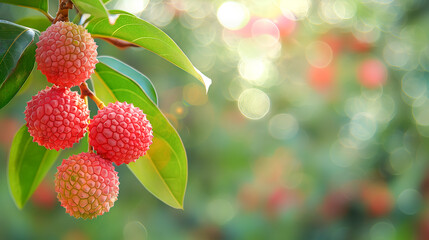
(137, 31)
(28, 165)
(17, 57)
(163, 170)
(95, 8)
(40, 5)
(131, 73)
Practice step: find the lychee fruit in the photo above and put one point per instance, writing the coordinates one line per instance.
(66, 53)
(57, 117)
(87, 185)
(120, 132)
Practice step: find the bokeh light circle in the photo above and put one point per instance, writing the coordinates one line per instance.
(409, 201)
(283, 126)
(319, 54)
(254, 103)
(382, 231)
(296, 9)
(233, 15)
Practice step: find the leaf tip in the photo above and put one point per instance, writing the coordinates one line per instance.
(206, 80)
(18, 205)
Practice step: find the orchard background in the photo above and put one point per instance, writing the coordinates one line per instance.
(316, 125)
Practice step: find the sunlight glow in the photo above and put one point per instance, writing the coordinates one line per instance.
(233, 15)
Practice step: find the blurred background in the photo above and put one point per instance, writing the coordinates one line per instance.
(316, 125)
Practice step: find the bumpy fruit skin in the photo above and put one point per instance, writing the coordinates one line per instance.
(66, 53)
(56, 118)
(87, 185)
(120, 132)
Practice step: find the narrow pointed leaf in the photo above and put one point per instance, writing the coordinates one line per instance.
(28, 165)
(17, 57)
(163, 170)
(137, 31)
(40, 5)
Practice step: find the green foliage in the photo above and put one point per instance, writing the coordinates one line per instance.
(17, 56)
(28, 165)
(163, 170)
(40, 5)
(137, 31)
(95, 8)
(39, 23)
(133, 74)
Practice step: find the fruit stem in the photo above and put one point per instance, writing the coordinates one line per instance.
(51, 19)
(85, 98)
(63, 11)
(85, 91)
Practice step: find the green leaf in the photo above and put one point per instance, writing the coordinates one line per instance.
(37, 22)
(17, 57)
(163, 170)
(137, 31)
(28, 165)
(95, 8)
(131, 73)
(40, 5)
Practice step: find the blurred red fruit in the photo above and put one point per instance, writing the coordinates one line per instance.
(280, 200)
(335, 204)
(248, 197)
(45, 196)
(9, 126)
(423, 228)
(358, 46)
(285, 25)
(377, 199)
(246, 31)
(424, 186)
(372, 73)
(321, 79)
(265, 26)
(335, 41)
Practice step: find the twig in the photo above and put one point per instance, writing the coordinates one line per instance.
(51, 19)
(63, 11)
(85, 98)
(85, 91)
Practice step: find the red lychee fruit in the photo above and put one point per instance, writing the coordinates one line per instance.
(56, 118)
(120, 132)
(87, 185)
(66, 53)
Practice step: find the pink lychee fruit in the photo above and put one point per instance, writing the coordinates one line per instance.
(87, 185)
(120, 132)
(66, 53)
(56, 118)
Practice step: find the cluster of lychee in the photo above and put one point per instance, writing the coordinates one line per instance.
(57, 117)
